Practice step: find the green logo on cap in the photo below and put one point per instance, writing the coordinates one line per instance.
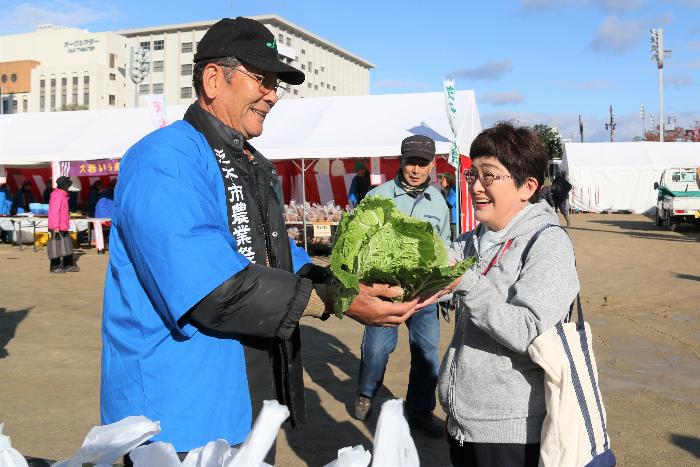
(272, 45)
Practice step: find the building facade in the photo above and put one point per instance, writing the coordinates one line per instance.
(56, 68)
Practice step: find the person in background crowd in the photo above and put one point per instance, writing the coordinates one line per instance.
(360, 184)
(560, 194)
(104, 210)
(5, 203)
(414, 195)
(93, 196)
(491, 390)
(59, 224)
(46, 195)
(22, 198)
(447, 188)
(201, 302)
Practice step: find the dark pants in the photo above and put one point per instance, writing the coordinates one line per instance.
(453, 232)
(494, 454)
(423, 337)
(563, 206)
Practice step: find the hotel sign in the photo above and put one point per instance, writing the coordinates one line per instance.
(82, 45)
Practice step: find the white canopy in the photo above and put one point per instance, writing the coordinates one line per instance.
(326, 127)
(621, 176)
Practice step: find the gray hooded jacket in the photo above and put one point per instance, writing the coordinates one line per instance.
(489, 387)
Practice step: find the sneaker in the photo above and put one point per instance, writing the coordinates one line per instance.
(72, 269)
(56, 271)
(363, 407)
(429, 424)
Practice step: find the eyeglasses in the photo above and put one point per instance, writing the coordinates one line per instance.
(266, 84)
(486, 178)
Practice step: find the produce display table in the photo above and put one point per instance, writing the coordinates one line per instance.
(320, 233)
(24, 226)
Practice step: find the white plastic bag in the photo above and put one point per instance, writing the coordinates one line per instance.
(213, 454)
(260, 440)
(393, 444)
(9, 457)
(351, 457)
(158, 453)
(106, 444)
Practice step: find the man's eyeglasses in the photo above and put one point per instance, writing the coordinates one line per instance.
(266, 84)
(486, 179)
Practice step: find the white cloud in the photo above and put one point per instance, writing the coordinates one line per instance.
(678, 81)
(536, 6)
(501, 98)
(25, 16)
(615, 36)
(489, 71)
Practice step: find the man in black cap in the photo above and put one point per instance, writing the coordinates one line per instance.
(413, 194)
(201, 304)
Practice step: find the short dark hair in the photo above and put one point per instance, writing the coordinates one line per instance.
(227, 62)
(517, 148)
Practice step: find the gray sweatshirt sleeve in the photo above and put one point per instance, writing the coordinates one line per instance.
(539, 299)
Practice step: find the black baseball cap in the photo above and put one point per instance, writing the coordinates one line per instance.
(418, 146)
(250, 42)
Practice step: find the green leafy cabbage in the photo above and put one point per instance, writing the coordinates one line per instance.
(377, 243)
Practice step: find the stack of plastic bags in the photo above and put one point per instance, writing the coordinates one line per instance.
(105, 445)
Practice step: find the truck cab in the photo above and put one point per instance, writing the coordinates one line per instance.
(678, 199)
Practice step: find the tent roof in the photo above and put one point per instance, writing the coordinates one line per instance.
(636, 155)
(325, 127)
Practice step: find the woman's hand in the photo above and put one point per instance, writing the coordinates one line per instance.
(370, 309)
(430, 299)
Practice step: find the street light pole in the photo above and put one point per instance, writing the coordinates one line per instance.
(642, 115)
(658, 54)
(611, 125)
(140, 67)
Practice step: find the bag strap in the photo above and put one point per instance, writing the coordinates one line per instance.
(526, 250)
(580, 328)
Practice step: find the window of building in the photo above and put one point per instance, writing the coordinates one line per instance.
(86, 91)
(328, 86)
(281, 37)
(3, 78)
(296, 92)
(53, 94)
(157, 88)
(42, 84)
(186, 93)
(289, 41)
(25, 105)
(334, 88)
(303, 51)
(112, 60)
(323, 68)
(310, 65)
(316, 71)
(42, 95)
(186, 69)
(13, 77)
(74, 96)
(42, 103)
(303, 67)
(159, 45)
(186, 47)
(144, 89)
(309, 85)
(158, 66)
(112, 77)
(145, 45)
(14, 106)
(322, 83)
(315, 87)
(112, 99)
(64, 92)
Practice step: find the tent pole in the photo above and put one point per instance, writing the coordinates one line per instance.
(303, 200)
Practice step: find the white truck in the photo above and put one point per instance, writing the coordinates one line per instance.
(678, 199)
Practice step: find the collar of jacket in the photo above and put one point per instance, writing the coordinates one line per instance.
(399, 191)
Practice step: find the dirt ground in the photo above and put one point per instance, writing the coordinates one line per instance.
(641, 292)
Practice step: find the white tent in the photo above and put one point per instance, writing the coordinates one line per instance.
(327, 127)
(621, 176)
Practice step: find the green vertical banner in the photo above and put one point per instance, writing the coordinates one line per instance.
(449, 91)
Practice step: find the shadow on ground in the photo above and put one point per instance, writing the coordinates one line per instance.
(9, 320)
(687, 443)
(333, 366)
(646, 229)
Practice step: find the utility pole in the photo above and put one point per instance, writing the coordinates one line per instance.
(657, 55)
(580, 127)
(642, 115)
(610, 126)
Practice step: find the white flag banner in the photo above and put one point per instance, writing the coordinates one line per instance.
(449, 90)
(156, 105)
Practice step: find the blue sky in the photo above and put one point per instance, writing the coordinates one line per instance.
(537, 61)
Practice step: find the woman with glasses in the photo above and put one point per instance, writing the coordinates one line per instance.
(491, 390)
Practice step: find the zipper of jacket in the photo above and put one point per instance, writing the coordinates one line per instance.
(256, 193)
